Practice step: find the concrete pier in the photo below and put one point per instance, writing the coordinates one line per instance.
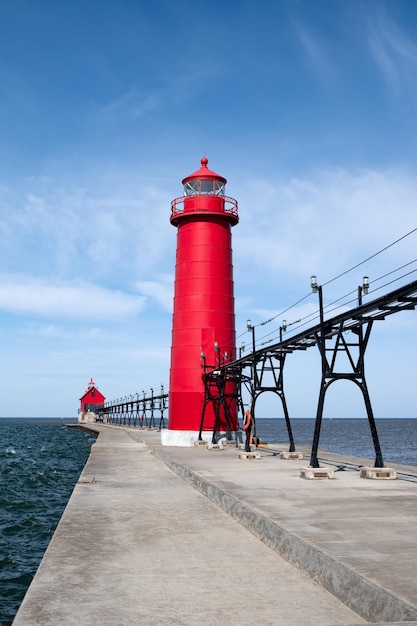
(167, 535)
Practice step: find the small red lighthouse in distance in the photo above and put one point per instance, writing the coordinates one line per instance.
(203, 318)
(88, 403)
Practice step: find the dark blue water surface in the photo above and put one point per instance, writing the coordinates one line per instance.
(398, 437)
(40, 462)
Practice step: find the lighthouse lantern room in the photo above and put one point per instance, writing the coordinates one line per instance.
(203, 326)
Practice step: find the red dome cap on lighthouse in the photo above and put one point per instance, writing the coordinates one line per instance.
(204, 173)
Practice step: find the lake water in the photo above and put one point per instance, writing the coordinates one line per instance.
(40, 462)
(398, 437)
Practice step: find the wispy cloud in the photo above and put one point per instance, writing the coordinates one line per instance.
(394, 52)
(135, 104)
(321, 225)
(174, 90)
(104, 232)
(75, 332)
(24, 294)
(319, 58)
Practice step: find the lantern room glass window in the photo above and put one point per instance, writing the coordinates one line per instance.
(218, 188)
(204, 187)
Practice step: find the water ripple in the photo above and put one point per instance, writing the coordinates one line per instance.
(40, 463)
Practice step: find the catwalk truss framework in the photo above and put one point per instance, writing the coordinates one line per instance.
(136, 410)
(346, 335)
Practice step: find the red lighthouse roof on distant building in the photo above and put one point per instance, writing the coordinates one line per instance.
(92, 396)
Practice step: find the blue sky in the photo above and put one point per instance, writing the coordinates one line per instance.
(307, 108)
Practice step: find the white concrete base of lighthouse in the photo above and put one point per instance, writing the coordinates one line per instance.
(184, 438)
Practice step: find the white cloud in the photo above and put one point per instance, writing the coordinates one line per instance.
(162, 291)
(325, 224)
(57, 331)
(74, 231)
(34, 296)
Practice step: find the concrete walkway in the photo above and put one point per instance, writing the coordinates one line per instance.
(137, 544)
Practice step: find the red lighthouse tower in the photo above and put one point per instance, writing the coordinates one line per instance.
(204, 317)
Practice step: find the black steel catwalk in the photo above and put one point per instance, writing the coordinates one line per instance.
(341, 340)
(330, 336)
(136, 410)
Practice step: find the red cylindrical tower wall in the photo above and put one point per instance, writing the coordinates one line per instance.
(203, 301)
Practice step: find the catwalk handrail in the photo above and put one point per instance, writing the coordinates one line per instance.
(136, 410)
(401, 299)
